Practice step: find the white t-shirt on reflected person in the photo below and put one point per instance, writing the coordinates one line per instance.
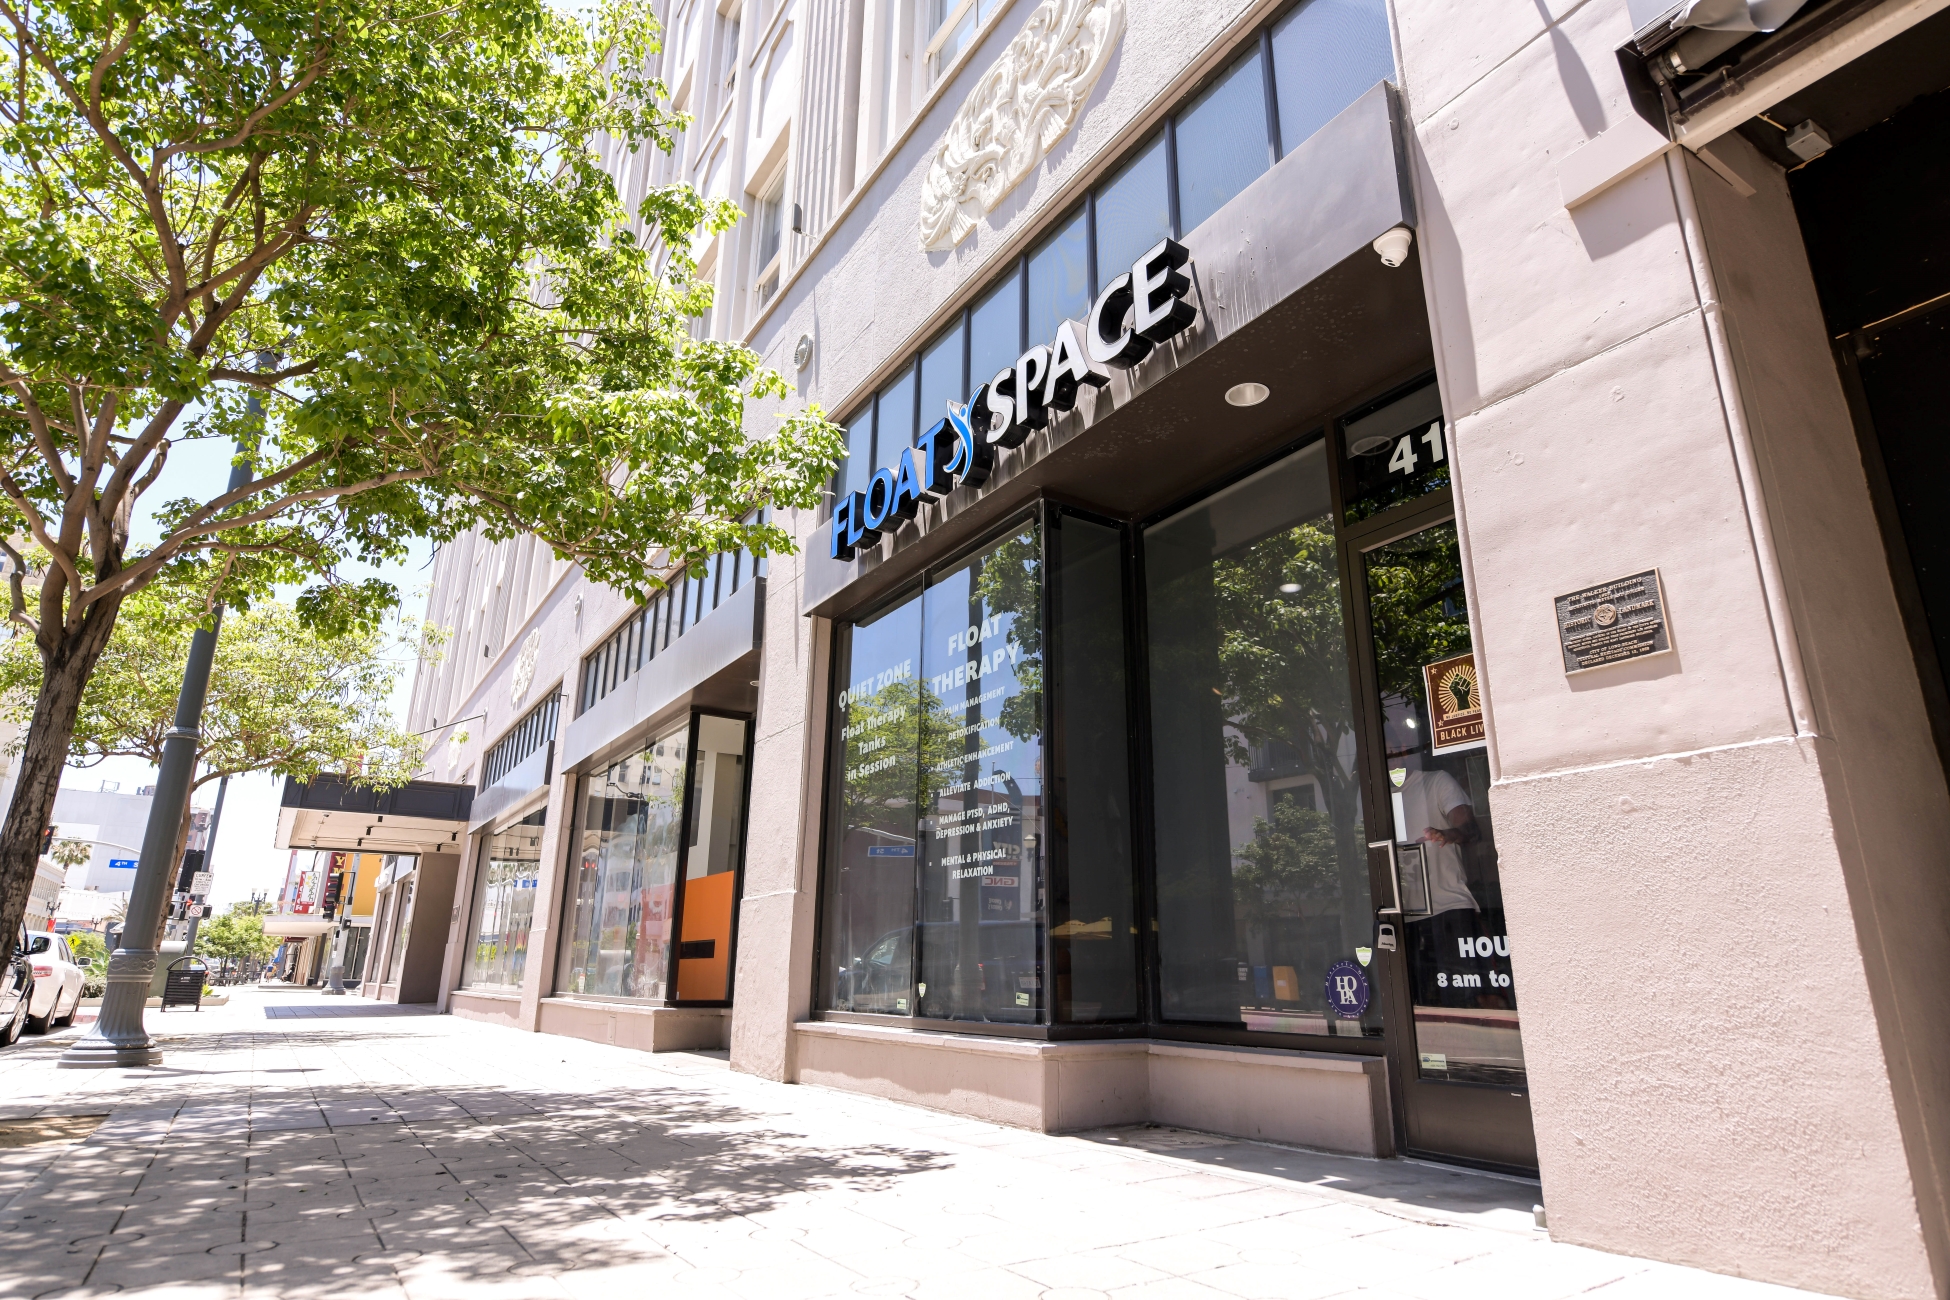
(1428, 797)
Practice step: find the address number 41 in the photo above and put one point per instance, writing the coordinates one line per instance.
(1405, 461)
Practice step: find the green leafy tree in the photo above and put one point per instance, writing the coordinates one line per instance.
(285, 698)
(372, 244)
(235, 936)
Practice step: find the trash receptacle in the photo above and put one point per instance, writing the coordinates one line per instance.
(183, 985)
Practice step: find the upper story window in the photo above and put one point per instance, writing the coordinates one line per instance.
(536, 729)
(951, 28)
(1288, 81)
(770, 223)
(728, 54)
(689, 597)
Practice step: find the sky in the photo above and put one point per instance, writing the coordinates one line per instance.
(245, 860)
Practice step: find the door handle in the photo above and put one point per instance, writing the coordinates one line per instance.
(1394, 876)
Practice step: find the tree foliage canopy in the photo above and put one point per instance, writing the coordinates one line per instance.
(284, 698)
(388, 223)
(235, 936)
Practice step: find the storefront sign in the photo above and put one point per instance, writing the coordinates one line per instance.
(1136, 311)
(1613, 623)
(1347, 990)
(1455, 696)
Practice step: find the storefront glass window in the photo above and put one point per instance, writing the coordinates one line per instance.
(618, 938)
(995, 331)
(1059, 280)
(1092, 910)
(1326, 55)
(941, 377)
(402, 923)
(981, 897)
(867, 933)
(711, 861)
(504, 904)
(1262, 875)
(1133, 212)
(1460, 979)
(1222, 145)
(1394, 454)
(894, 430)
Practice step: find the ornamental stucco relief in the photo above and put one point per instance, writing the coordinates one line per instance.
(1016, 113)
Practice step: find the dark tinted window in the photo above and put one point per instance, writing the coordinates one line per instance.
(1222, 144)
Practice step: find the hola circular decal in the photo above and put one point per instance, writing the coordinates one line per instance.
(1347, 990)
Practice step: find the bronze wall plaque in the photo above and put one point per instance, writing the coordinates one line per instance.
(1613, 623)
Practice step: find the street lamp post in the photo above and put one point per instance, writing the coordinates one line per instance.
(119, 1038)
(209, 856)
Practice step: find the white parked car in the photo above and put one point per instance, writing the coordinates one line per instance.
(57, 982)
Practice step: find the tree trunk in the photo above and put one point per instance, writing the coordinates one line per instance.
(64, 676)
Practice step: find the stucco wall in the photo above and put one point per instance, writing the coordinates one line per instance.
(1708, 1074)
(772, 986)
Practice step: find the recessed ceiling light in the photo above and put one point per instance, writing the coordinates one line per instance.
(1369, 445)
(1290, 588)
(1247, 394)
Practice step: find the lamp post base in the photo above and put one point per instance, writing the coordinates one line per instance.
(100, 1054)
(119, 1039)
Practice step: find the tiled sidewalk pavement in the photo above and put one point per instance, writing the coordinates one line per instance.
(408, 1155)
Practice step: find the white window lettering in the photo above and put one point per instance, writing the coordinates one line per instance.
(1404, 461)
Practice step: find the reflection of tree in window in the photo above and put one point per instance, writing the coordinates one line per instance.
(1010, 581)
(1283, 669)
(1420, 615)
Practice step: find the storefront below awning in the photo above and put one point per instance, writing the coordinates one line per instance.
(331, 813)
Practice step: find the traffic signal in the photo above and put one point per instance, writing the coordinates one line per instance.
(192, 863)
(334, 884)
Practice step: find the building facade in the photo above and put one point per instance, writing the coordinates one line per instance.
(1382, 596)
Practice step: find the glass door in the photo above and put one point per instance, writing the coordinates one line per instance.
(1440, 934)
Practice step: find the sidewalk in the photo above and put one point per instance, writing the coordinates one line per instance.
(302, 1146)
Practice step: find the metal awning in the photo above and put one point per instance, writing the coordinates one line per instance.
(332, 813)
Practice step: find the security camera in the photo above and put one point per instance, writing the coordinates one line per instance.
(1393, 245)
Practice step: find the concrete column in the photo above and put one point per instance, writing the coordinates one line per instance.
(1690, 844)
(459, 917)
(773, 985)
(545, 935)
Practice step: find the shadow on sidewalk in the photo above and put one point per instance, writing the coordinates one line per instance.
(337, 1191)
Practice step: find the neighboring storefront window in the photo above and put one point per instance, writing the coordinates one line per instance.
(1262, 875)
(402, 924)
(618, 944)
(714, 849)
(650, 908)
(504, 904)
(1460, 979)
